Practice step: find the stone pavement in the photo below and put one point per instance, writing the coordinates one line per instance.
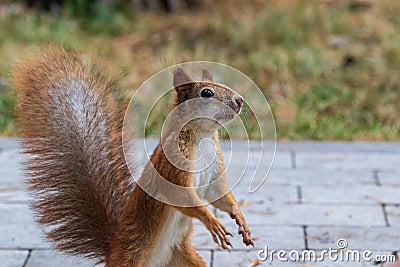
(315, 194)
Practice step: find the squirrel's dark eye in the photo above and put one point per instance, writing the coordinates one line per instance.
(206, 93)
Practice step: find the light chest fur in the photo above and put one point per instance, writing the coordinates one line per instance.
(177, 224)
(205, 164)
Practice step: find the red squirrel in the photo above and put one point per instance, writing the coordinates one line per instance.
(71, 127)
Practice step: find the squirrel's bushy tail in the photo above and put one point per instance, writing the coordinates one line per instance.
(71, 129)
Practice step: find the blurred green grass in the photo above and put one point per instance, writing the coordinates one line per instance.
(328, 68)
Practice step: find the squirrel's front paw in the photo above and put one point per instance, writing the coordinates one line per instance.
(243, 227)
(218, 232)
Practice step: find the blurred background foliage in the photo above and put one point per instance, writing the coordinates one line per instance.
(329, 68)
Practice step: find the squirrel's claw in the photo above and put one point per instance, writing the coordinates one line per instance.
(247, 240)
(219, 234)
(243, 230)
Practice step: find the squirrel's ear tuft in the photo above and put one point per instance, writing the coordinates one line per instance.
(181, 77)
(207, 75)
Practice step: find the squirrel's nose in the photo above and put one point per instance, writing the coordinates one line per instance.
(239, 101)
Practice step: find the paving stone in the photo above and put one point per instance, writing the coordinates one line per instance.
(266, 194)
(18, 227)
(276, 237)
(371, 238)
(8, 143)
(292, 178)
(13, 258)
(362, 194)
(258, 213)
(12, 184)
(279, 159)
(13, 194)
(339, 146)
(389, 177)
(248, 177)
(236, 258)
(44, 258)
(319, 176)
(265, 145)
(206, 255)
(22, 237)
(10, 176)
(393, 214)
(18, 214)
(347, 160)
(11, 159)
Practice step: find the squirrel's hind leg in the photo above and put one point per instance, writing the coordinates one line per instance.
(185, 254)
(184, 258)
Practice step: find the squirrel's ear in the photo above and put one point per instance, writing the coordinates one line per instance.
(182, 83)
(207, 75)
(181, 77)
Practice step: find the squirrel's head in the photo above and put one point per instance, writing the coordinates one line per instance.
(206, 103)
